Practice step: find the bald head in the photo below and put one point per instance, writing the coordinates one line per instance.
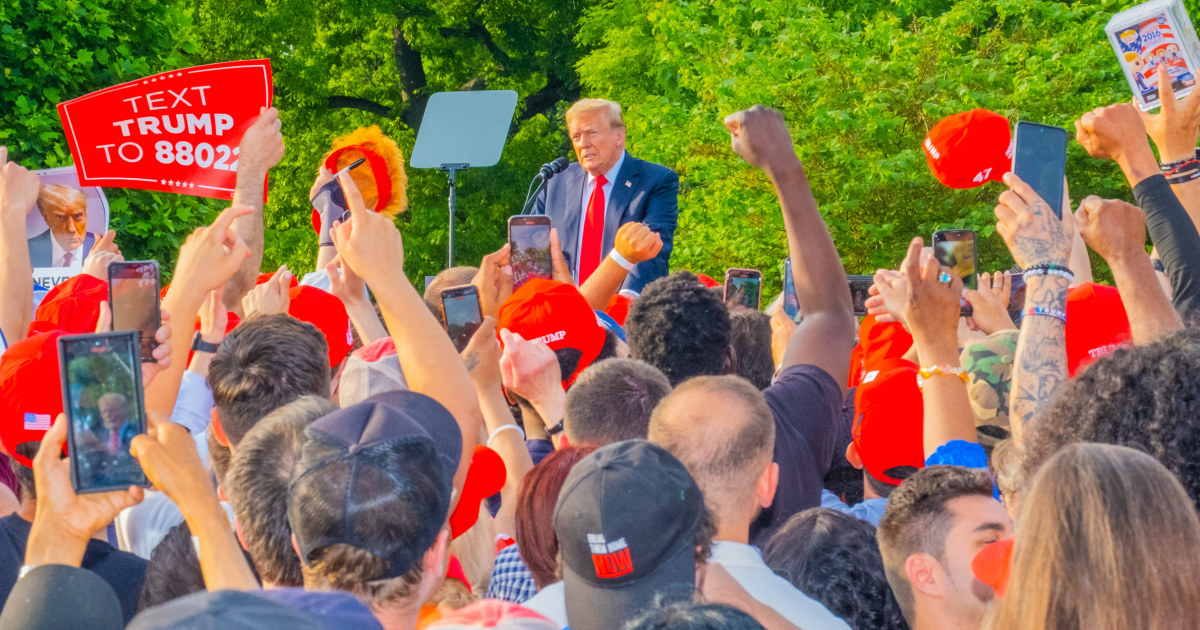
(722, 430)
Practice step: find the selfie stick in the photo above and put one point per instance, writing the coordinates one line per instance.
(461, 130)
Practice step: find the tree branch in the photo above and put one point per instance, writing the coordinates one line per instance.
(354, 102)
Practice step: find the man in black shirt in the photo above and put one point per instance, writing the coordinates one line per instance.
(683, 329)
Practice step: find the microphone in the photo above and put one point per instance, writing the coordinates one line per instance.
(550, 170)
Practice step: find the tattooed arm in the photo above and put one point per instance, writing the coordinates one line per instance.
(482, 357)
(1035, 236)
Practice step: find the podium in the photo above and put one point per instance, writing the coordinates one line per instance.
(462, 130)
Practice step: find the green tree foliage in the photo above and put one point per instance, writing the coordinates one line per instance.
(860, 83)
(53, 51)
(342, 64)
(860, 91)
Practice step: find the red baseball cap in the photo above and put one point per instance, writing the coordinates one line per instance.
(707, 281)
(30, 395)
(328, 314)
(969, 149)
(485, 477)
(558, 314)
(1096, 324)
(879, 341)
(889, 419)
(72, 307)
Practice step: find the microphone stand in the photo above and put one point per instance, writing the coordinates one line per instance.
(541, 184)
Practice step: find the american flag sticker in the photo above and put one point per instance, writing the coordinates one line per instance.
(37, 422)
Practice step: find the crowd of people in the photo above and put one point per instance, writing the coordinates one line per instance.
(616, 454)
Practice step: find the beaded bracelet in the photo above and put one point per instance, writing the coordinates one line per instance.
(1049, 269)
(1048, 312)
(926, 373)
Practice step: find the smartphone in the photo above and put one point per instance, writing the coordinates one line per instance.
(860, 290)
(791, 305)
(460, 310)
(956, 249)
(743, 288)
(102, 396)
(1040, 159)
(134, 300)
(529, 248)
(1016, 297)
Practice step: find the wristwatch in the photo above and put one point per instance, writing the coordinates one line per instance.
(556, 429)
(200, 345)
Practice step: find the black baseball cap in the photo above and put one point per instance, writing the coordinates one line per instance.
(57, 596)
(626, 521)
(373, 477)
(227, 610)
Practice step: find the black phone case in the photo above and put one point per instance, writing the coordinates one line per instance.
(72, 447)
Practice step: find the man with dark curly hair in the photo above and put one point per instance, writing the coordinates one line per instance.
(683, 329)
(1145, 397)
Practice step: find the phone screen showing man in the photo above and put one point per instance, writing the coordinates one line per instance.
(860, 290)
(743, 290)
(133, 295)
(530, 252)
(102, 392)
(462, 317)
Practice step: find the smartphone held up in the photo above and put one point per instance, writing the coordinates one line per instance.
(529, 248)
(956, 249)
(133, 296)
(101, 377)
(460, 310)
(743, 288)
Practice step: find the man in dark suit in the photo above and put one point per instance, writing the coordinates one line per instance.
(67, 242)
(587, 216)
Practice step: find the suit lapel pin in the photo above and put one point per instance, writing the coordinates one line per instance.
(628, 184)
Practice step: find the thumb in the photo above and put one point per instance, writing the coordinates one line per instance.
(1166, 95)
(104, 323)
(52, 440)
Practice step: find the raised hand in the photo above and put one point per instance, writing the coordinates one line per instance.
(637, 243)
(211, 254)
(1112, 228)
(494, 281)
(762, 138)
(167, 454)
(530, 368)
(214, 318)
(889, 297)
(18, 188)
(261, 147)
(1111, 132)
(1176, 127)
(345, 285)
(562, 273)
(104, 253)
(932, 306)
(271, 296)
(369, 242)
(989, 304)
(1029, 228)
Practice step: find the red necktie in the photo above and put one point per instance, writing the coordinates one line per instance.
(593, 232)
(67, 259)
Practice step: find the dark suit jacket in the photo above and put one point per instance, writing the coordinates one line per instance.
(643, 192)
(41, 250)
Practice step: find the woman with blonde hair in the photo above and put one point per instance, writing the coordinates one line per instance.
(1107, 539)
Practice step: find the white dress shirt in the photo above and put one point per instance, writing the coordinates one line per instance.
(589, 185)
(58, 254)
(746, 565)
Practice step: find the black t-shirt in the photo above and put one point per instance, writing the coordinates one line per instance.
(806, 403)
(124, 572)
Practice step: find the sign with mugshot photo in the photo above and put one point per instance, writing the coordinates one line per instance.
(64, 225)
